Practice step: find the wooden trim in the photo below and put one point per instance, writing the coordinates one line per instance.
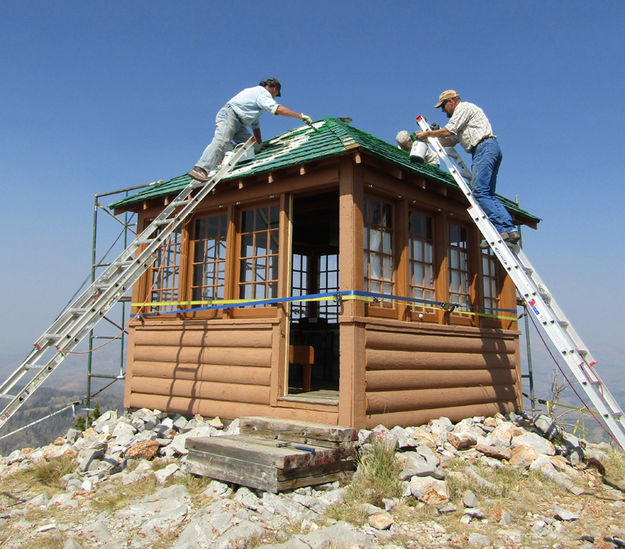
(352, 401)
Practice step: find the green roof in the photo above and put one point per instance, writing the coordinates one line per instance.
(328, 137)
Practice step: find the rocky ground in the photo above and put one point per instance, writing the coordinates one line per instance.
(502, 481)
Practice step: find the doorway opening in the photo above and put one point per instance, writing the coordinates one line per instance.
(314, 324)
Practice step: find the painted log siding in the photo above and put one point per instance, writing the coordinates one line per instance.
(211, 368)
(414, 374)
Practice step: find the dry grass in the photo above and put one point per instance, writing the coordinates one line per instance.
(117, 496)
(50, 472)
(377, 478)
(615, 465)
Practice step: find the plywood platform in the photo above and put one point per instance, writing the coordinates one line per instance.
(273, 455)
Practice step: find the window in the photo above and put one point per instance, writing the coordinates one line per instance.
(378, 243)
(209, 257)
(458, 267)
(329, 282)
(165, 273)
(421, 258)
(299, 285)
(258, 278)
(489, 280)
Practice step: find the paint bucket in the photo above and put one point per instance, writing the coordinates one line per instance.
(417, 151)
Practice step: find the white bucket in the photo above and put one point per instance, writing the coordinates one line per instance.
(417, 151)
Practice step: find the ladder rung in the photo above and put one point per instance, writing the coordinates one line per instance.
(563, 323)
(164, 221)
(178, 202)
(77, 311)
(34, 366)
(8, 397)
(52, 337)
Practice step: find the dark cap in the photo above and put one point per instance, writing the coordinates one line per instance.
(272, 83)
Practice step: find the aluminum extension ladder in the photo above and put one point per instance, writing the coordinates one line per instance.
(541, 302)
(75, 322)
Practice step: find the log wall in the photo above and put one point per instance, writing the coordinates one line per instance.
(213, 368)
(414, 374)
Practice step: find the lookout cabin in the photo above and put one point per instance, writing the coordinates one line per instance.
(328, 279)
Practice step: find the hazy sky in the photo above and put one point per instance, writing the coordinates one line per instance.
(98, 96)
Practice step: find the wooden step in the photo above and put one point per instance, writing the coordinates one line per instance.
(277, 455)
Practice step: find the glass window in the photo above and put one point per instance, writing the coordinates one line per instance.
(421, 257)
(378, 244)
(258, 277)
(489, 278)
(329, 282)
(458, 267)
(209, 257)
(165, 274)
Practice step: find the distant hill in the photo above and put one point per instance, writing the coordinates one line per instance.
(46, 401)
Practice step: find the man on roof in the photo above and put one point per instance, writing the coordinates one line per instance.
(469, 126)
(405, 141)
(244, 109)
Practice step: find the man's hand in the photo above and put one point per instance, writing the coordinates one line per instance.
(306, 119)
(422, 136)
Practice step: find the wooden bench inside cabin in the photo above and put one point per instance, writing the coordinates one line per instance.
(304, 356)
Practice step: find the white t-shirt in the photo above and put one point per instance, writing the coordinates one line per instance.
(250, 103)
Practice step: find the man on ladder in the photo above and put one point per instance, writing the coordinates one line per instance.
(469, 126)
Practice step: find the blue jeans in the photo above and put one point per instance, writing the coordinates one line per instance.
(486, 160)
(229, 128)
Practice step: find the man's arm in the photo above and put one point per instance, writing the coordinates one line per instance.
(285, 111)
(447, 138)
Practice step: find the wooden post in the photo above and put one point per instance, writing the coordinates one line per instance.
(352, 399)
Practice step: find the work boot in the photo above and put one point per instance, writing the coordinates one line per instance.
(198, 173)
(512, 237)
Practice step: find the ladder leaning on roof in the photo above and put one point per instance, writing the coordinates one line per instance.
(75, 322)
(539, 300)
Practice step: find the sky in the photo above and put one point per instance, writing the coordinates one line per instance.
(101, 96)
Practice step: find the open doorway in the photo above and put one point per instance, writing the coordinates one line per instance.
(314, 324)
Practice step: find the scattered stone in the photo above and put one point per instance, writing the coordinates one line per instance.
(143, 450)
(469, 499)
(564, 514)
(429, 490)
(381, 521)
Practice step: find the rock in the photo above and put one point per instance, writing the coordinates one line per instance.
(461, 440)
(106, 422)
(402, 438)
(595, 458)
(523, 456)
(429, 490)
(474, 512)
(413, 464)
(538, 443)
(163, 474)
(469, 499)
(564, 514)
(483, 482)
(216, 423)
(88, 456)
(479, 540)
(340, 534)
(546, 426)
(381, 521)
(494, 451)
(143, 450)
